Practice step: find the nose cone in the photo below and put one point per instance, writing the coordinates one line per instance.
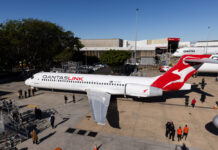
(27, 82)
(176, 54)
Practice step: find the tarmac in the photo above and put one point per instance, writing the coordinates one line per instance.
(132, 123)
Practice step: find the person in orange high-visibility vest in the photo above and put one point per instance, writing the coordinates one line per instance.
(185, 131)
(179, 133)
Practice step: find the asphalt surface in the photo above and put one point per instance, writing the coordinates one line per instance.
(131, 123)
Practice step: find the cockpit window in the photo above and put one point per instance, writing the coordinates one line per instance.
(32, 77)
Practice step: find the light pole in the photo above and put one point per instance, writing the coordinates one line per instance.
(208, 37)
(136, 33)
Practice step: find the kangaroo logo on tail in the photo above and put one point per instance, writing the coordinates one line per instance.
(175, 78)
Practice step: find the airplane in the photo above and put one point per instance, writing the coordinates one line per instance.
(99, 88)
(204, 68)
(195, 51)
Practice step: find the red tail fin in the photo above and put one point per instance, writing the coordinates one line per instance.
(175, 78)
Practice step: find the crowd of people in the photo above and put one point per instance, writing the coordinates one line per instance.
(170, 131)
(26, 93)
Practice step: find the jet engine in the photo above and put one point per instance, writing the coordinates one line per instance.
(140, 90)
(215, 121)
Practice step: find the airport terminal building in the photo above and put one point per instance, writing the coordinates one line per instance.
(146, 50)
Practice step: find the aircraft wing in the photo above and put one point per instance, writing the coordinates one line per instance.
(99, 102)
(204, 60)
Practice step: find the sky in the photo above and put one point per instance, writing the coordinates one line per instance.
(99, 19)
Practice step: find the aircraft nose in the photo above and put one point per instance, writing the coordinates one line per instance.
(27, 82)
(176, 54)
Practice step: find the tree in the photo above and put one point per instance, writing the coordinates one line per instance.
(35, 42)
(114, 57)
(71, 50)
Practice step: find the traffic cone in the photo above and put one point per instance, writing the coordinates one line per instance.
(95, 147)
(214, 107)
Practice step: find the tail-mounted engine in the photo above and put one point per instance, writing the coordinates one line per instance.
(140, 90)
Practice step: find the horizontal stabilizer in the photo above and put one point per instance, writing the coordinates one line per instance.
(204, 60)
(186, 86)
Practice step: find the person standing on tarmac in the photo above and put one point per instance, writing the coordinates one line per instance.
(74, 100)
(186, 101)
(167, 129)
(25, 94)
(203, 84)
(193, 102)
(52, 120)
(65, 99)
(185, 131)
(29, 92)
(179, 134)
(36, 112)
(172, 131)
(19, 93)
(34, 136)
(33, 91)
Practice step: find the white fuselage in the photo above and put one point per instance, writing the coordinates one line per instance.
(206, 67)
(81, 82)
(195, 50)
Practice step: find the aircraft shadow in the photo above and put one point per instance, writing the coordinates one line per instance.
(63, 91)
(198, 90)
(208, 74)
(2, 93)
(150, 99)
(113, 113)
(211, 128)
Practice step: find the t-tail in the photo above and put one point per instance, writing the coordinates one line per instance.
(175, 78)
